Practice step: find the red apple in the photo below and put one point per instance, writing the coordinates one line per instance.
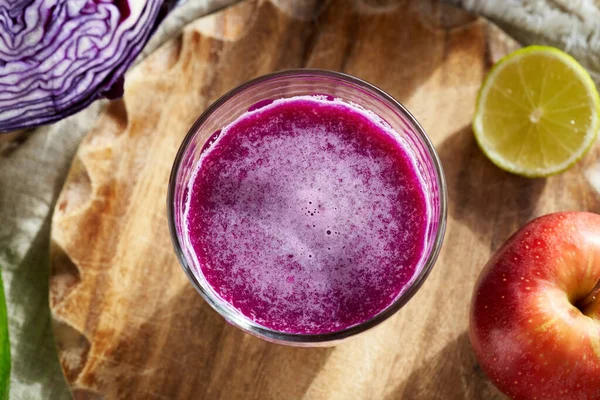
(535, 313)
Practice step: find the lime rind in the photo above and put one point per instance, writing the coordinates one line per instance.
(488, 84)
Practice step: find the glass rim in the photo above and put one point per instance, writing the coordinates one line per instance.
(273, 335)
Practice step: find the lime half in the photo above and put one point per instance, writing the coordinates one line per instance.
(537, 112)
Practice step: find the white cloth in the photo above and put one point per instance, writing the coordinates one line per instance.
(32, 171)
(571, 25)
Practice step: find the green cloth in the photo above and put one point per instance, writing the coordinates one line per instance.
(31, 174)
(4, 347)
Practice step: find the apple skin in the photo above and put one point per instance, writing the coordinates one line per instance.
(528, 335)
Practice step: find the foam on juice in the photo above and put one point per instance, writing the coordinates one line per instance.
(307, 215)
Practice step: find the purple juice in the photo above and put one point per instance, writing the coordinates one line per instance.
(307, 215)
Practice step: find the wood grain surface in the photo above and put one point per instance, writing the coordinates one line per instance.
(128, 324)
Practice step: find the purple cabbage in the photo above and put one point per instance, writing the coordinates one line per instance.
(58, 56)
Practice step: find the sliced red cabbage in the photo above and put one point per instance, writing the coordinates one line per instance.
(57, 56)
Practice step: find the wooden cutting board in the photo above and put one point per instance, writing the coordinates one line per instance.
(127, 322)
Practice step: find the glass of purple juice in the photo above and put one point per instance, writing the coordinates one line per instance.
(307, 206)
